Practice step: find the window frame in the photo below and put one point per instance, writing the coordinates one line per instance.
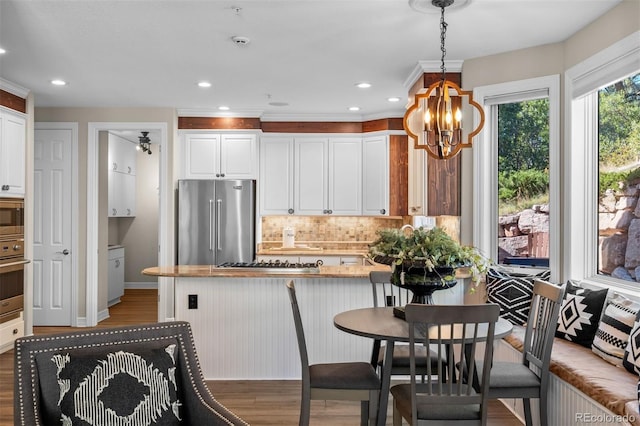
(580, 233)
(485, 162)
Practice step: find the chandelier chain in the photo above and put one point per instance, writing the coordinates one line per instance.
(443, 34)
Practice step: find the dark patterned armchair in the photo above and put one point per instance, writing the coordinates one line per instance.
(142, 375)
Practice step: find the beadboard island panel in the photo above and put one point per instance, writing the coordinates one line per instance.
(243, 326)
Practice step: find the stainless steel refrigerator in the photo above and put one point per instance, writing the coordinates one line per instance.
(216, 221)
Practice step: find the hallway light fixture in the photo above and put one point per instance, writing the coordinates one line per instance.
(434, 121)
(145, 143)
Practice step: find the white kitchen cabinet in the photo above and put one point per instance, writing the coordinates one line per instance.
(328, 176)
(10, 331)
(115, 275)
(311, 184)
(122, 195)
(276, 176)
(375, 176)
(122, 155)
(12, 154)
(122, 177)
(219, 156)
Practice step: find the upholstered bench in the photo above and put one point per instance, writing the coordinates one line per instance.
(612, 387)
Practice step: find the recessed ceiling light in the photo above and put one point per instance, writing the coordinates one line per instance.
(204, 84)
(278, 104)
(393, 99)
(223, 108)
(363, 85)
(58, 82)
(354, 108)
(2, 51)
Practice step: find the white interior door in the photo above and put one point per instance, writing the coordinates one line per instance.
(52, 242)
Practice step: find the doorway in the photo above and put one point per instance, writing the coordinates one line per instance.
(93, 210)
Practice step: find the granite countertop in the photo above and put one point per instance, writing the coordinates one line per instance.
(207, 271)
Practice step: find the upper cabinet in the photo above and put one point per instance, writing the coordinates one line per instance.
(328, 176)
(315, 175)
(12, 154)
(122, 177)
(375, 176)
(276, 176)
(219, 156)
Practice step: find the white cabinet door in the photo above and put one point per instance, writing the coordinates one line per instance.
(311, 176)
(201, 156)
(122, 155)
(122, 195)
(375, 176)
(115, 273)
(220, 156)
(12, 154)
(276, 176)
(345, 176)
(238, 157)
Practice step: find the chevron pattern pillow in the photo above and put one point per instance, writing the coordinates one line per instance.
(615, 326)
(580, 314)
(512, 293)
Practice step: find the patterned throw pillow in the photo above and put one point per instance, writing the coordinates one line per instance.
(135, 386)
(512, 293)
(613, 331)
(631, 359)
(580, 314)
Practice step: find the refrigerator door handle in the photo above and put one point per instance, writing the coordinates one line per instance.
(211, 225)
(219, 209)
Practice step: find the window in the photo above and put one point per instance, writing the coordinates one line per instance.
(582, 259)
(618, 178)
(523, 183)
(527, 113)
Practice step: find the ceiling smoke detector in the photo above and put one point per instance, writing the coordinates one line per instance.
(241, 40)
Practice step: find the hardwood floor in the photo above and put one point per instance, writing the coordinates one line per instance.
(257, 402)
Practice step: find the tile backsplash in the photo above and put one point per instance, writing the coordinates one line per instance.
(357, 230)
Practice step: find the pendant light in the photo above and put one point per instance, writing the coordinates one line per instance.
(435, 119)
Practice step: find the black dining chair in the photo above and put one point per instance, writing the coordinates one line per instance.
(387, 294)
(453, 401)
(351, 381)
(529, 378)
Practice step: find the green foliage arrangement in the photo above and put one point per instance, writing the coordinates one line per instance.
(429, 249)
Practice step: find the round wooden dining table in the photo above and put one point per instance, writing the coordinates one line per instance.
(382, 324)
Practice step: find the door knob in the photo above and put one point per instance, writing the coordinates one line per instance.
(65, 252)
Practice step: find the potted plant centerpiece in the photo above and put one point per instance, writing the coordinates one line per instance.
(424, 260)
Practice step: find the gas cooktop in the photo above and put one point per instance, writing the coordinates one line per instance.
(274, 266)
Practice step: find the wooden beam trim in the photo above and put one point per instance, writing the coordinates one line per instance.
(12, 101)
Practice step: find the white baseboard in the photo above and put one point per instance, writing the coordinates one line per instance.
(141, 285)
(103, 315)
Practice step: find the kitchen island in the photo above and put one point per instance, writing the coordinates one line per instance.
(243, 325)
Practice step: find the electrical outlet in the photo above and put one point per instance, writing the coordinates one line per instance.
(193, 301)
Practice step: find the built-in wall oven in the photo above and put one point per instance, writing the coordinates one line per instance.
(11, 217)
(11, 258)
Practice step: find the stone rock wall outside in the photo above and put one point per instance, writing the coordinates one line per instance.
(519, 233)
(619, 234)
